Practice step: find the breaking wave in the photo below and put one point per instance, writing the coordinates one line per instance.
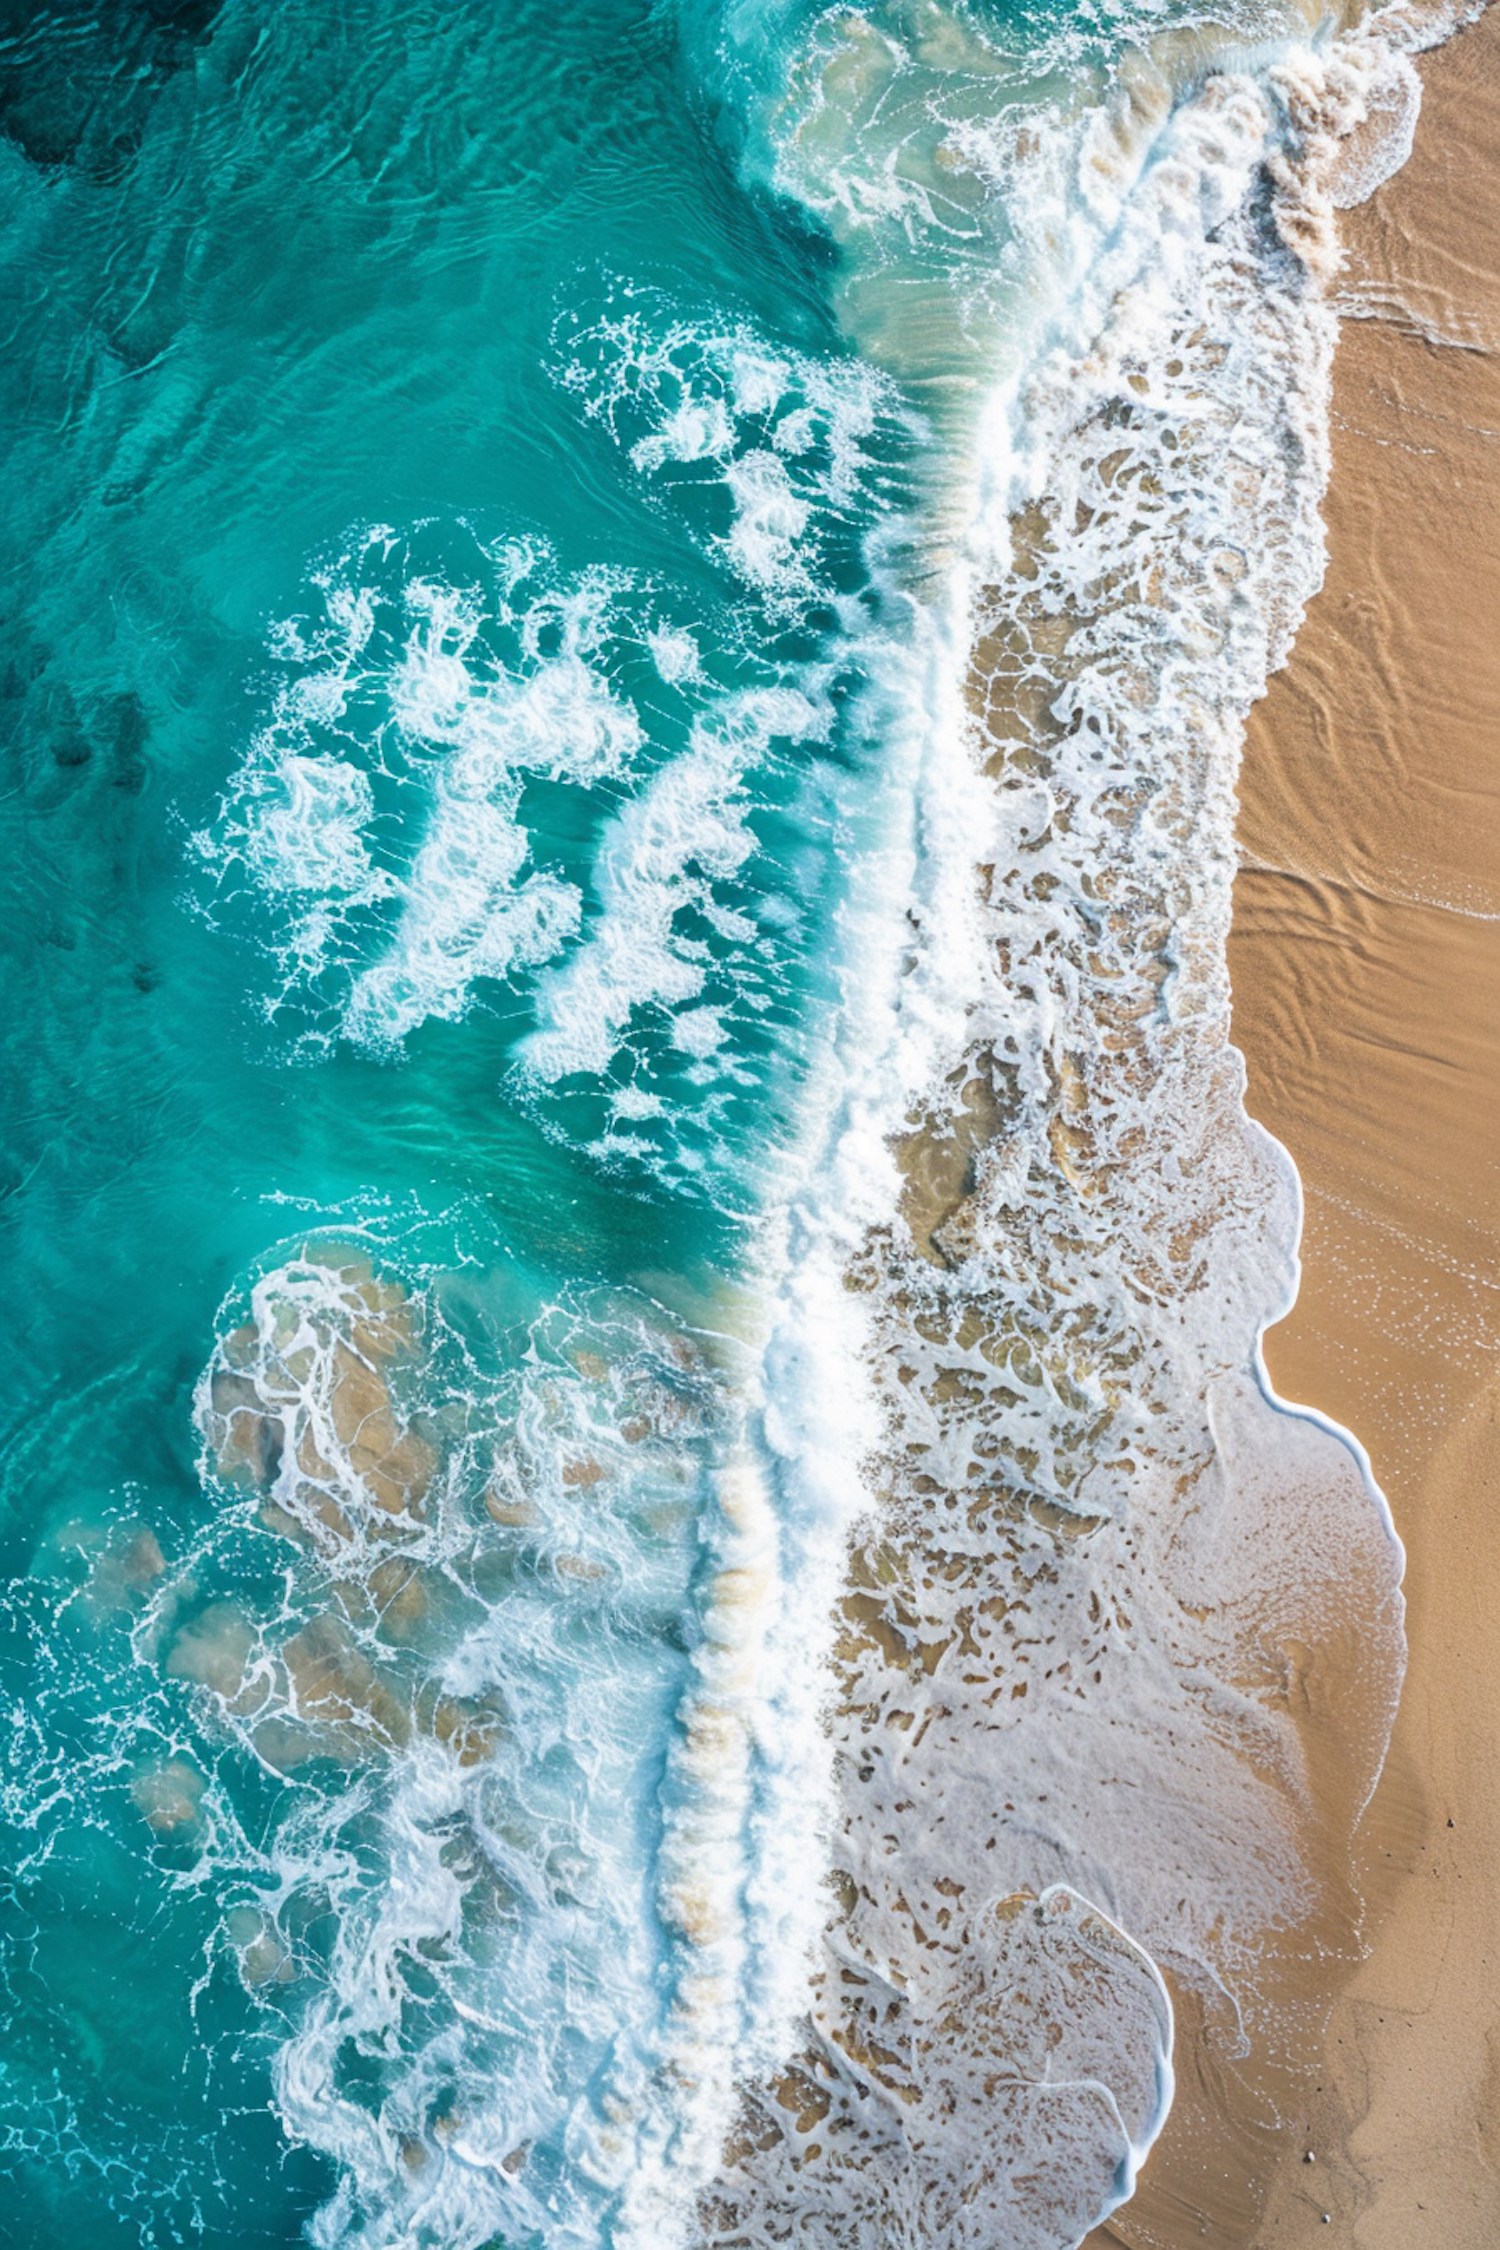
(744, 1759)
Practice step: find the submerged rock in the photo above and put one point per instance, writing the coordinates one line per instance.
(216, 1650)
(298, 1405)
(170, 1796)
(264, 1955)
(320, 1694)
(333, 1685)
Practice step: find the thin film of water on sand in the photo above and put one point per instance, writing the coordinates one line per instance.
(1119, 1648)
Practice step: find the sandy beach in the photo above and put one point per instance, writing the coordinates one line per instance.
(1365, 962)
(1366, 967)
(647, 1593)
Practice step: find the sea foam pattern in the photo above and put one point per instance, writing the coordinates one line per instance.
(1074, 1734)
(775, 449)
(450, 1612)
(1005, 1288)
(402, 683)
(484, 780)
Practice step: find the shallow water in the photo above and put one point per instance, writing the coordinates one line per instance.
(622, 697)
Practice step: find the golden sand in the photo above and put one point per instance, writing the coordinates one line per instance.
(1366, 968)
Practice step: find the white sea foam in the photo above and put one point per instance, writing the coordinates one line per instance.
(467, 910)
(381, 830)
(469, 1669)
(656, 864)
(675, 654)
(1067, 1658)
(1019, 1293)
(704, 408)
(379, 814)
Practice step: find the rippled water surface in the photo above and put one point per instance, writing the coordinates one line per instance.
(626, 637)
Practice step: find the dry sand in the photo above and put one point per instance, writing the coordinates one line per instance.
(1366, 971)
(1366, 968)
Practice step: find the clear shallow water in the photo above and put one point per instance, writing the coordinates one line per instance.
(493, 504)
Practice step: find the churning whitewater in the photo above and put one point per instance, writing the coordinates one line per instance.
(730, 1616)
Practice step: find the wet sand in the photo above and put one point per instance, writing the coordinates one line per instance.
(1365, 962)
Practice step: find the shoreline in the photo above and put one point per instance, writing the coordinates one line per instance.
(1300, 1654)
(984, 1495)
(1365, 956)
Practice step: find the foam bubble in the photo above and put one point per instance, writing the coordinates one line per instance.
(675, 655)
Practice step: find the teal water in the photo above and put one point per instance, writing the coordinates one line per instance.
(478, 486)
(278, 279)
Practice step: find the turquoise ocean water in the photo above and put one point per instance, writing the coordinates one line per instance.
(483, 488)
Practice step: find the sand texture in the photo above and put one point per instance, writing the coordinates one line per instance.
(1365, 961)
(1366, 969)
